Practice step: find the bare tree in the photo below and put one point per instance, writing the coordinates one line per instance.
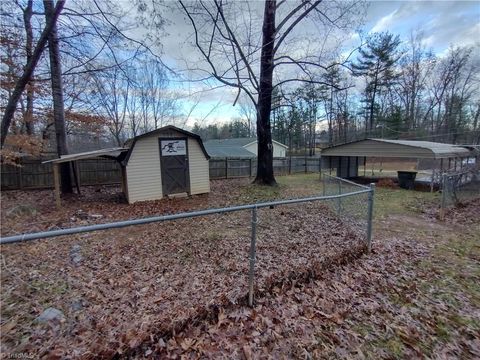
(416, 66)
(113, 91)
(23, 80)
(57, 95)
(228, 44)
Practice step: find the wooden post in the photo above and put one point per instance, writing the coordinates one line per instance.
(124, 181)
(250, 164)
(364, 166)
(56, 182)
(76, 177)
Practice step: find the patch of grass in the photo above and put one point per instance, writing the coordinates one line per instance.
(400, 201)
(297, 185)
(58, 287)
(255, 193)
(297, 180)
(464, 321)
(392, 345)
(442, 330)
(363, 329)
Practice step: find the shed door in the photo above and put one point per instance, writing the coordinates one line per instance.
(174, 165)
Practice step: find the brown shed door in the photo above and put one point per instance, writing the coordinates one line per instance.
(174, 165)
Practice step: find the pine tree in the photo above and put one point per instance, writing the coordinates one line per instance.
(377, 64)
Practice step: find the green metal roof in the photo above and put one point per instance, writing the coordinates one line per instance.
(231, 148)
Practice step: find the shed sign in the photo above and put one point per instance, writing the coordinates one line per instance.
(173, 147)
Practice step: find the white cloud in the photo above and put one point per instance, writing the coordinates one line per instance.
(384, 23)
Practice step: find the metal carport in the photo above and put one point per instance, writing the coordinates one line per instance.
(347, 157)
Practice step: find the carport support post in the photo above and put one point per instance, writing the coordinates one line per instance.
(371, 196)
(432, 180)
(56, 182)
(444, 196)
(253, 245)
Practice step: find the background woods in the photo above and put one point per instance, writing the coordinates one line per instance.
(322, 86)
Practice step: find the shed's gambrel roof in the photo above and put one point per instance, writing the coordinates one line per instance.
(398, 148)
(131, 142)
(122, 154)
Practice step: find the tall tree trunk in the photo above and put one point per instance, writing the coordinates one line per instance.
(27, 73)
(27, 20)
(264, 135)
(57, 94)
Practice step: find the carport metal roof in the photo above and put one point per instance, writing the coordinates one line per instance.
(111, 153)
(398, 149)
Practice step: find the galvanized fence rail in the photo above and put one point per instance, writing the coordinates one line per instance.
(345, 196)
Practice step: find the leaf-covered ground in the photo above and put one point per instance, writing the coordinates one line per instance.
(417, 295)
(117, 288)
(178, 290)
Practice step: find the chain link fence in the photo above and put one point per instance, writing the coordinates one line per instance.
(458, 188)
(126, 290)
(352, 210)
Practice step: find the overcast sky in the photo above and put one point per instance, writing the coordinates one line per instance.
(443, 23)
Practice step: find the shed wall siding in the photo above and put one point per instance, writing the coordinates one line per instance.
(144, 174)
(143, 171)
(198, 169)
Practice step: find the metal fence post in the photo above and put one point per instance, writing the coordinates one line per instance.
(339, 200)
(253, 244)
(371, 196)
(444, 197)
(324, 183)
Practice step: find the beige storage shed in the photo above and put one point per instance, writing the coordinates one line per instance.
(166, 161)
